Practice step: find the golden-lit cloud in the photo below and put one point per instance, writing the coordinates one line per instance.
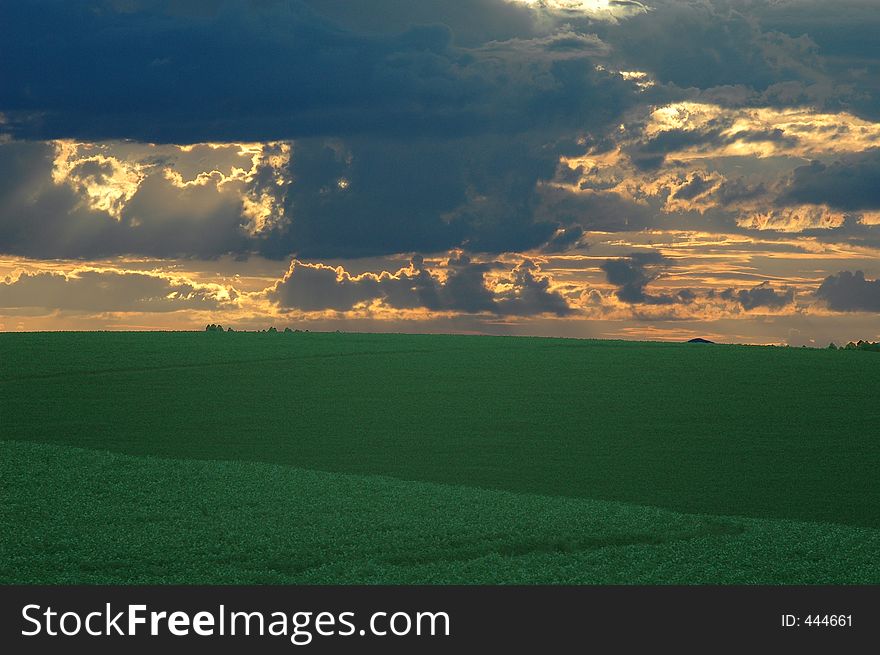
(92, 289)
(870, 218)
(105, 182)
(793, 219)
(597, 9)
(641, 79)
(267, 181)
(108, 175)
(761, 131)
(692, 157)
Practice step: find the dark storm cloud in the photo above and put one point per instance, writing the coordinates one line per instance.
(234, 72)
(419, 125)
(695, 186)
(278, 70)
(845, 34)
(850, 183)
(850, 292)
(472, 23)
(600, 210)
(104, 291)
(649, 154)
(737, 190)
(635, 272)
(419, 131)
(761, 296)
(696, 43)
(315, 287)
(763, 52)
(376, 197)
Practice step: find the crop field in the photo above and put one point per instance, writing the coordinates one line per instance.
(352, 458)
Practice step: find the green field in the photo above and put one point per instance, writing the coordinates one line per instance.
(324, 458)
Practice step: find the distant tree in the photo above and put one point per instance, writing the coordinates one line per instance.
(287, 329)
(861, 344)
(229, 329)
(272, 329)
(832, 346)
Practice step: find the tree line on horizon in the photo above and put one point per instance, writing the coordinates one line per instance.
(871, 346)
(213, 327)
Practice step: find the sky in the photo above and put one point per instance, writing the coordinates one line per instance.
(579, 168)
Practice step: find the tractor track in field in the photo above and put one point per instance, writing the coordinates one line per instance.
(238, 362)
(463, 551)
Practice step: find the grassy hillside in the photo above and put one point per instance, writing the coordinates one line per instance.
(755, 433)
